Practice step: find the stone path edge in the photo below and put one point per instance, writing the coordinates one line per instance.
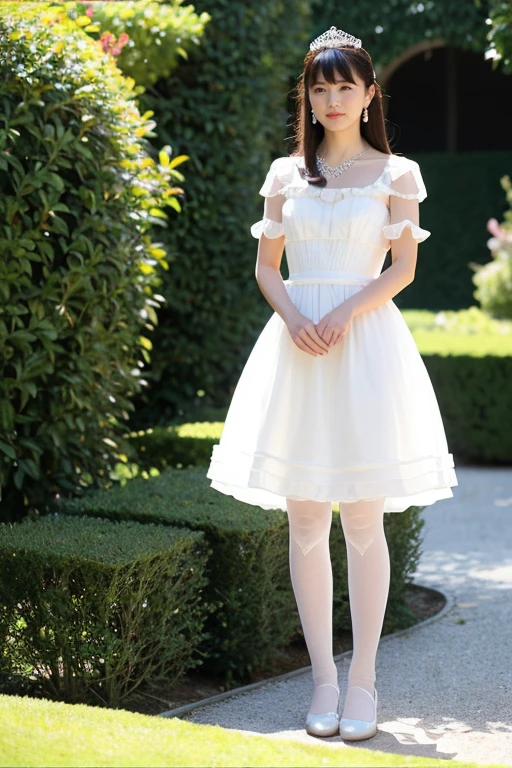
(450, 603)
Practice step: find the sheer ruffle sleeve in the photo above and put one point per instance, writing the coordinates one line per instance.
(393, 231)
(267, 227)
(406, 190)
(405, 179)
(278, 175)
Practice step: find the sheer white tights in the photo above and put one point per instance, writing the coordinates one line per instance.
(368, 576)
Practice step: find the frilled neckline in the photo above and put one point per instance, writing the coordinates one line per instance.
(300, 187)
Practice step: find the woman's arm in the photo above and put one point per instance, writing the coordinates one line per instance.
(268, 276)
(270, 282)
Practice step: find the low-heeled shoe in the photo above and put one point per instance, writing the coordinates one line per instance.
(324, 723)
(353, 730)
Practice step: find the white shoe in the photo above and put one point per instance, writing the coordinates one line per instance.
(324, 723)
(352, 730)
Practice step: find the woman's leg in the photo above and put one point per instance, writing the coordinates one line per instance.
(311, 574)
(368, 581)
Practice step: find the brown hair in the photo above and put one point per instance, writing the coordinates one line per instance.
(329, 61)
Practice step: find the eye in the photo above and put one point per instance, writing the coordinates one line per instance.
(320, 88)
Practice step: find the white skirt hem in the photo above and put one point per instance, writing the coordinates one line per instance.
(267, 481)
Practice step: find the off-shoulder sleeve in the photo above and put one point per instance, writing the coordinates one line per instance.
(278, 175)
(405, 179)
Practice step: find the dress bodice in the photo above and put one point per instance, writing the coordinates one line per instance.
(343, 229)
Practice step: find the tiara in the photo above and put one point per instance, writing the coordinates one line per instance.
(333, 38)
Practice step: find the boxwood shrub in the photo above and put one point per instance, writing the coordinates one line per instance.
(92, 608)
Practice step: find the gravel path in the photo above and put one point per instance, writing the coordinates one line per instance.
(445, 688)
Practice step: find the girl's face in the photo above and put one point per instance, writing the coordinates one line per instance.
(339, 105)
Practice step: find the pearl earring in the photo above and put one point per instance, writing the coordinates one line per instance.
(365, 115)
(313, 117)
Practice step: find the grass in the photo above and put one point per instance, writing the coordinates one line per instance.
(466, 332)
(35, 732)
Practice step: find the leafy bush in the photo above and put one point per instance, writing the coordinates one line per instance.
(79, 193)
(494, 286)
(494, 279)
(156, 34)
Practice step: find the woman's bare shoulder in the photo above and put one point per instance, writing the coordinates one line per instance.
(374, 154)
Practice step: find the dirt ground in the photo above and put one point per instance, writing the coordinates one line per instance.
(152, 700)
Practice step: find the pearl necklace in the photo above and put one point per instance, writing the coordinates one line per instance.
(327, 170)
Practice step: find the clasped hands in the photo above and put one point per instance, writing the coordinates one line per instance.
(318, 338)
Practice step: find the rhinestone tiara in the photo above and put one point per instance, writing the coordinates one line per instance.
(333, 38)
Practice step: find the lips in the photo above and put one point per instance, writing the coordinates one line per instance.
(336, 114)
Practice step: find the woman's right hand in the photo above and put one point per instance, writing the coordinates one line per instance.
(305, 336)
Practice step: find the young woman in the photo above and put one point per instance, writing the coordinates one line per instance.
(335, 402)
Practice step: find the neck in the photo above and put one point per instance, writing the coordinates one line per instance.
(335, 149)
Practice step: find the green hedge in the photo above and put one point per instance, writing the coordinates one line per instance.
(225, 107)
(248, 573)
(468, 356)
(91, 608)
(180, 445)
(476, 403)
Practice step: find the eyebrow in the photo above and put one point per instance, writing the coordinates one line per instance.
(321, 82)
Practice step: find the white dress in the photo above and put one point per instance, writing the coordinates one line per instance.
(362, 421)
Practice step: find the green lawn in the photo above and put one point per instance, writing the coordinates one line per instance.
(467, 332)
(34, 732)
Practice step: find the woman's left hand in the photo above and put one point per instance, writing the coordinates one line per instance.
(335, 324)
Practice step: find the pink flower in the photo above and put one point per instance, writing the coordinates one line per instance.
(109, 44)
(494, 228)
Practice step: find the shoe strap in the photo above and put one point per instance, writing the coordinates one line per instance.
(364, 689)
(331, 684)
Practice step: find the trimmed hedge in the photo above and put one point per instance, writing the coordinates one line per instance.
(225, 107)
(248, 572)
(476, 403)
(178, 445)
(91, 608)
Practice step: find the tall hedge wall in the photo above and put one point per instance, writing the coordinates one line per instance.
(225, 107)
